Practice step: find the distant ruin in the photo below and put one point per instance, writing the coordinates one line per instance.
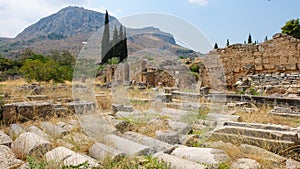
(278, 55)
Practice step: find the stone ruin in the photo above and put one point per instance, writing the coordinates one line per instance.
(266, 60)
(152, 74)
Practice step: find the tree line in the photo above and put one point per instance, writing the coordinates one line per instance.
(56, 67)
(291, 27)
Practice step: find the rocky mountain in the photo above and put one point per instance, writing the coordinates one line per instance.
(69, 27)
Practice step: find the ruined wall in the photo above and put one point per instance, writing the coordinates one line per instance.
(280, 54)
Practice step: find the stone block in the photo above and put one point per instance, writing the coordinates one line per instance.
(101, 152)
(30, 144)
(62, 156)
(53, 130)
(15, 130)
(156, 145)
(178, 163)
(245, 163)
(208, 156)
(222, 117)
(168, 136)
(5, 139)
(180, 127)
(127, 146)
(8, 159)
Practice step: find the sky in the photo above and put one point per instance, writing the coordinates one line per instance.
(218, 20)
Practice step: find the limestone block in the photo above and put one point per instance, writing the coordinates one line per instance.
(245, 163)
(156, 145)
(168, 136)
(101, 151)
(127, 146)
(5, 139)
(201, 155)
(15, 130)
(66, 157)
(8, 159)
(178, 163)
(30, 144)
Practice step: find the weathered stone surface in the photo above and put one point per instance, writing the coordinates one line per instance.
(96, 127)
(81, 107)
(271, 137)
(127, 146)
(101, 152)
(53, 130)
(121, 107)
(62, 156)
(292, 164)
(5, 139)
(281, 111)
(15, 130)
(156, 145)
(245, 163)
(8, 159)
(38, 131)
(262, 153)
(180, 127)
(178, 163)
(222, 117)
(65, 126)
(29, 143)
(168, 136)
(201, 155)
(173, 113)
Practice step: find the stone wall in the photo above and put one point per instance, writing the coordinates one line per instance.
(280, 54)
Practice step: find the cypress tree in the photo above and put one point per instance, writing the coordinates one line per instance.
(115, 42)
(227, 43)
(249, 38)
(105, 43)
(216, 46)
(266, 38)
(125, 50)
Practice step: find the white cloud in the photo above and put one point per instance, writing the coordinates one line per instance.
(199, 2)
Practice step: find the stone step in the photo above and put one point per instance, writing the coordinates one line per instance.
(259, 126)
(156, 145)
(260, 133)
(274, 138)
(268, 144)
(222, 117)
(127, 146)
(177, 163)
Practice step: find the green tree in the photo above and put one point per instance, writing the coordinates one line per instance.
(216, 46)
(292, 27)
(266, 38)
(105, 43)
(125, 49)
(249, 38)
(227, 42)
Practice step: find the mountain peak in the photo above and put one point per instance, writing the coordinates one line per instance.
(68, 21)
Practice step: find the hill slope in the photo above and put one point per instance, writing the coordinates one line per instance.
(69, 27)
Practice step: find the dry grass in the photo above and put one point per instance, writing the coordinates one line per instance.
(235, 153)
(261, 115)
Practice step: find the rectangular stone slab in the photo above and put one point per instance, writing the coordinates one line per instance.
(178, 163)
(157, 145)
(127, 146)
